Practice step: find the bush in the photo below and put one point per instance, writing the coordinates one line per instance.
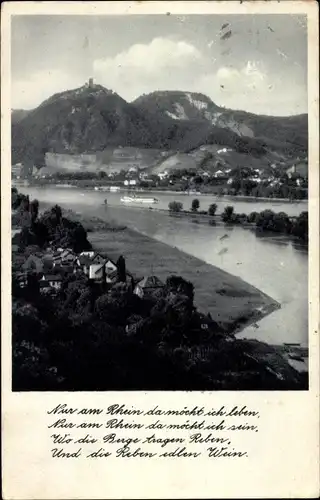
(195, 205)
(300, 226)
(242, 218)
(227, 215)
(265, 220)
(212, 209)
(252, 217)
(175, 206)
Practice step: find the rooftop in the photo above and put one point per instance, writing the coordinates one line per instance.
(150, 282)
(52, 277)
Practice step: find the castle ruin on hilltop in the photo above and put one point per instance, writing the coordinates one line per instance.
(89, 84)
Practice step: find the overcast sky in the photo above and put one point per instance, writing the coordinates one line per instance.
(261, 67)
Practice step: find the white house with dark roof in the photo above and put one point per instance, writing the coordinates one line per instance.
(89, 254)
(110, 267)
(147, 286)
(107, 271)
(96, 272)
(84, 262)
(87, 259)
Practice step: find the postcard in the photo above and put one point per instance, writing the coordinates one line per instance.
(160, 250)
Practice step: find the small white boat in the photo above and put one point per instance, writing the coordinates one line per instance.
(138, 199)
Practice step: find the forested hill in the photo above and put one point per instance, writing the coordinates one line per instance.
(92, 118)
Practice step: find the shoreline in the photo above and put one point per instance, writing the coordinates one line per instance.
(232, 302)
(214, 220)
(110, 237)
(253, 199)
(267, 304)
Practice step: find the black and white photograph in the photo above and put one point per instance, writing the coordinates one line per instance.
(159, 202)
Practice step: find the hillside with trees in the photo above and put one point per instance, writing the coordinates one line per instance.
(93, 118)
(286, 133)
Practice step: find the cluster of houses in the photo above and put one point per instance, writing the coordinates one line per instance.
(53, 266)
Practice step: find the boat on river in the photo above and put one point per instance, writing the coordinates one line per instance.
(138, 199)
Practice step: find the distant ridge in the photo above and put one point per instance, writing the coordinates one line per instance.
(92, 118)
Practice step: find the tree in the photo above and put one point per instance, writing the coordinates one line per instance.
(281, 222)
(175, 206)
(252, 217)
(114, 306)
(300, 226)
(212, 209)
(24, 237)
(121, 269)
(33, 286)
(227, 214)
(198, 179)
(177, 284)
(195, 205)
(41, 233)
(265, 220)
(25, 204)
(56, 210)
(34, 210)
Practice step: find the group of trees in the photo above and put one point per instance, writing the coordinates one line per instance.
(267, 220)
(87, 338)
(283, 186)
(177, 206)
(93, 336)
(281, 223)
(79, 175)
(17, 199)
(51, 226)
(63, 231)
(244, 183)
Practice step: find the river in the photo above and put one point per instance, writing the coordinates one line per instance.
(275, 265)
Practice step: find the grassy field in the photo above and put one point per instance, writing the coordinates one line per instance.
(231, 302)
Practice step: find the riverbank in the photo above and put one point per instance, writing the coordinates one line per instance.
(232, 303)
(120, 188)
(96, 334)
(237, 197)
(281, 230)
